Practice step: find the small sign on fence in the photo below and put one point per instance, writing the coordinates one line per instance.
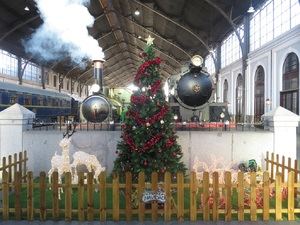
(149, 196)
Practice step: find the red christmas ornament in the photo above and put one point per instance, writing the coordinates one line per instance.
(170, 142)
(143, 55)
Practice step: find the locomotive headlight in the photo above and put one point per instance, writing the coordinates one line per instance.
(95, 88)
(197, 60)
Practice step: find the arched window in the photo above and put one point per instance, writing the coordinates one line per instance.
(225, 91)
(239, 98)
(289, 96)
(259, 93)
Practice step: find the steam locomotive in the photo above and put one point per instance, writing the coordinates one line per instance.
(47, 105)
(193, 99)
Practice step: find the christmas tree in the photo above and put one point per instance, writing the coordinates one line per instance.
(148, 138)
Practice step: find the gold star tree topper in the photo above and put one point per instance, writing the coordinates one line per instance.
(149, 40)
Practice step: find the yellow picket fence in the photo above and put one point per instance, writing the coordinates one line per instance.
(15, 163)
(186, 198)
(276, 164)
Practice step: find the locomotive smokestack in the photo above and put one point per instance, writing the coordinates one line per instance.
(98, 73)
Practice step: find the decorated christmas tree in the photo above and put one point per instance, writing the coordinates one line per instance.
(148, 138)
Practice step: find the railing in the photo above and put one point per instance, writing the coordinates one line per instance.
(179, 126)
(15, 163)
(185, 199)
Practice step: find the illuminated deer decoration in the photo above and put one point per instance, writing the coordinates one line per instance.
(61, 163)
(215, 165)
(90, 161)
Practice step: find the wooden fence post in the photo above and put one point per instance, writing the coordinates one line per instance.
(277, 164)
(55, 202)
(68, 197)
(168, 203)
(4, 167)
(128, 192)
(90, 196)
(283, 168)
(228, 196)
(5, 194)
(20, 165)
(291, 196)
(205, 196)
(289, 164)
(241, 195)
(116, 197)
(267, 161)
(180, 196)
(141, 189)
(193, 192)
(30, 196)
(80, 196)
(102, 188)
(18, 209)
(10, 170)
(278, 197)
(266, 196)
(154, 187)
(215, 211)
(296, 170)
(15, 163)
(25, 164)
(43, 196)
(253, 207)
(272, 166)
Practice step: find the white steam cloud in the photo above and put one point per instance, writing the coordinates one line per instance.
(64, 31)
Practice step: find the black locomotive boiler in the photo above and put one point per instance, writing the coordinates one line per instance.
(194, 91)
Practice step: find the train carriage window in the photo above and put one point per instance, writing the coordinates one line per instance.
(54, 81)
(27, 100)
(50, 102)
(45, 101)
(40, 101)
(13, 99)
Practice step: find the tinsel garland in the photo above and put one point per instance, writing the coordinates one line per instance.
(129, 141)
(155, 87)
(156, 117)
(148, 145)
(138, 99)
(142, 69)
